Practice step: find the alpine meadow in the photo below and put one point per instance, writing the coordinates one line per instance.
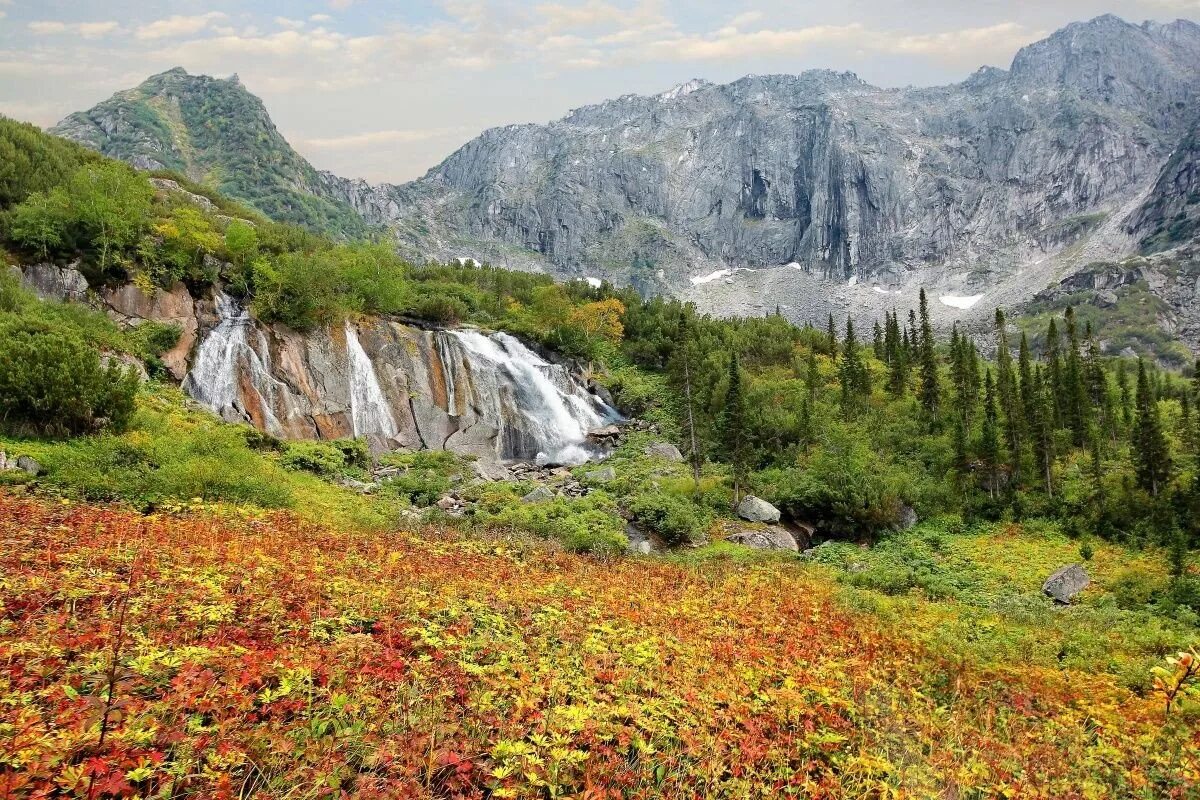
(788, 437)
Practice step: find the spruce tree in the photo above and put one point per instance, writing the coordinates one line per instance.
(1054, 378)
(733, 428)
(1007, 393)
(878, 344)
(1151, 457)
(989, 438)
(832, 339)
(853, 375)
(1075, 395)
(1025, 372)
(1126, 395)
(1041, 427)
(930, 388)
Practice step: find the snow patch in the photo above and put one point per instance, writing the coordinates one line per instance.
(955, 301)
(467, 262)
(712, 276)
(683, 89)
(593, 282)
(881, 290)
(853, 280)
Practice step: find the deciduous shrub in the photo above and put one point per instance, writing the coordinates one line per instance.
(677, 520)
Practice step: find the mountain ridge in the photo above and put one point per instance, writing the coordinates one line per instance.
(845, 192)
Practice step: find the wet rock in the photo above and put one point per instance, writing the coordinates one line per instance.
(608, 436)
(1065, 583)
(664, 450)
(770, 537)
(538, 495)
(754, 509)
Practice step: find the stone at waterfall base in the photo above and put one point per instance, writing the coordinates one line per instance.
(753, 509)
(1065, 583)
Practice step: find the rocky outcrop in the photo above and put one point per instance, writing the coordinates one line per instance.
(130, 305)
(52, 282)
(768, 537)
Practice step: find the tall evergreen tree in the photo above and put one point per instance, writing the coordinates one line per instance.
(854, 378)
(1025, 372)
(682, 368)
(831, 336)
(1041, 427)
(930, 387)
(989, 437)
(1125, 394)
(1054, 376)
(878, 344)
(1075, 395)
(1007, 394)
(1151, 456)
(734, 436)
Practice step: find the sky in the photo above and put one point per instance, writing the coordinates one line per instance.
(385, 89)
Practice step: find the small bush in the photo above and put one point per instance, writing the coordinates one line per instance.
(327, 459)
(675, 519)
(52, 383)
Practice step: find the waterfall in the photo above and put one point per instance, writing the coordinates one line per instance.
(540, 410)
(369, 410)
(213, 379)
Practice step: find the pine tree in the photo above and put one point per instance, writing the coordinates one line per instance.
(1152, 459)
(914, 338)
(897, 357)
(989, 438)
(1126, 395)
(733, 428)
(1041, 427)
(878, 344)
(1025, 372)
(854, 378)
(1054, 379)
(930, 387)
(1007, 391)
(1075, 399)
(831, 337)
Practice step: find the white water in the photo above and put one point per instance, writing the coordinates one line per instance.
(213, 379)
(369, 410)
(553, 413)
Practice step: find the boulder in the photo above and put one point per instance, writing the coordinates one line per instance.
(771, 537)
(664, 450)
(28, 464)
(538, 495)
(907, 518)
(491, 470)
(602, 475)
(754, 509)
(1065, 583)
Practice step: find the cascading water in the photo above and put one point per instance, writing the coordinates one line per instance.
(539, 409)
(213, 379)
(369, 410)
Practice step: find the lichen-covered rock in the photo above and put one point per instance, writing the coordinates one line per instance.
(770, 537)
(754, 509)
(52, 282)
(1067, 582)
(538, 495)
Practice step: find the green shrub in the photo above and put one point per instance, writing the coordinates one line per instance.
(677, 520)
(52, 382)
(583, 525)
(327, 459)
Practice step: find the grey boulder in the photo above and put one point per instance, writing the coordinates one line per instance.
(29, 465)
(602, 475)
(1065, 583)
(754, 509)
(665, 451)
(769, 538)
(538, 495)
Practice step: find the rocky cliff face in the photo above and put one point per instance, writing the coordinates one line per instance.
(817, 192)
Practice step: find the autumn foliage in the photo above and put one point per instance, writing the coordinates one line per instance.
(217, 655)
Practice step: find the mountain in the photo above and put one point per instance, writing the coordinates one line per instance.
(218, 134)
(811, 193)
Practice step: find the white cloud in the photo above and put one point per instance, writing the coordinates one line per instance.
(370, 138)
(179, 25)
(291, 24)
(320, 18)
(340, 5)
(88, 30)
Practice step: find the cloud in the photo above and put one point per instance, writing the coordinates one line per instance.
(320, 18)
(179, 25)
(291, 24)
(87, 30)
(371, 138)
(340, 5)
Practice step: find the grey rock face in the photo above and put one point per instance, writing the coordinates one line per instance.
(754, 509)
(1067, 582)
(52, 282)
(768, 538)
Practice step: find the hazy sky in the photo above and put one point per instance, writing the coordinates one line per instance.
(384, 89)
